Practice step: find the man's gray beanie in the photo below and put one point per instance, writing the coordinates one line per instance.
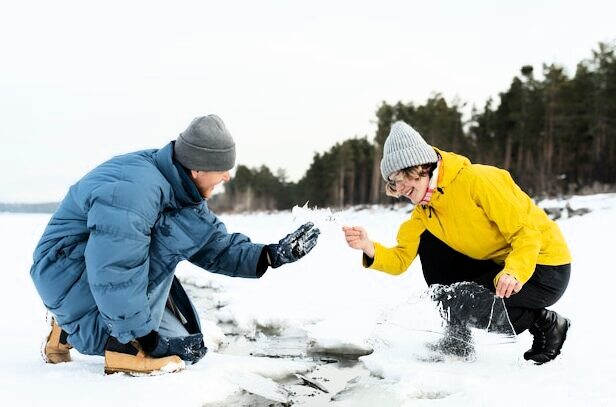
(206, 145)
(405, 148)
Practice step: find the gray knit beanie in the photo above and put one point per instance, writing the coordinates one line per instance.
(404, 148)
(206, 145)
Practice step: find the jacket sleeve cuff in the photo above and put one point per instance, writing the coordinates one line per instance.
(521, 277)
(367, 261)
(126, 330)
(375, 262)
(263, 264)
(497, 277)
(511, 273)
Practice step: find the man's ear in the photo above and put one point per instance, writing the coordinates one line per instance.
(193, 174)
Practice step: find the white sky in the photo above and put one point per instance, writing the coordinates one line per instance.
(81, 82)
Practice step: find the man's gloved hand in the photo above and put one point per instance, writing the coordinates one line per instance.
(294, 246)
(189, 348)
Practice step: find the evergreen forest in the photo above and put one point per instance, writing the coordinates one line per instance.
(555, 134)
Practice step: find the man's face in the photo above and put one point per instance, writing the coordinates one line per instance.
(206, 181)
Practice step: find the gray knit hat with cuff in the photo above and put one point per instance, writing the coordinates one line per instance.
(405, 148)
(206, 145)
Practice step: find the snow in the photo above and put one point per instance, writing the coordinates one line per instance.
(330, 300)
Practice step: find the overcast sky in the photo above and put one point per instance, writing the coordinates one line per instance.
(82, 81)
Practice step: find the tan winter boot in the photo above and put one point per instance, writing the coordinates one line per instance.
(130, 358)
(55, 348)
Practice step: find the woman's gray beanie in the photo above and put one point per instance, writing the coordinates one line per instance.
(405, 148)
(206, 145)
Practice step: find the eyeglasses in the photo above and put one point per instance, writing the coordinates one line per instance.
(394, 179)
(405, 175)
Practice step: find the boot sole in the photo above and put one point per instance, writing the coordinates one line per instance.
(113, 370)
(137, 374)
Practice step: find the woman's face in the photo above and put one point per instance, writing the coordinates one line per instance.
(410, 186)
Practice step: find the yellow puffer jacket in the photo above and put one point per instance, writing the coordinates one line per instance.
(479, 211)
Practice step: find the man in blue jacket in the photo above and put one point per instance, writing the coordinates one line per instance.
(105, 264)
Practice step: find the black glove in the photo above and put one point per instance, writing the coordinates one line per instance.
(294, 246)
(189, 348)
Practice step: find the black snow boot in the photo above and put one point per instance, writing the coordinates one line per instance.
(549, 333)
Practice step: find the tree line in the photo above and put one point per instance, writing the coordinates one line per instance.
(556, 135)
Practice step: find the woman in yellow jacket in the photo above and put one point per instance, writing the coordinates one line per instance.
(472, 222)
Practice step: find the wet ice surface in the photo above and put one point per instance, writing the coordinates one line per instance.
(334, 366)
(339, 375)
(367, 334)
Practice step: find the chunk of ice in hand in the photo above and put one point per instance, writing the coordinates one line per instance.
(468, 303)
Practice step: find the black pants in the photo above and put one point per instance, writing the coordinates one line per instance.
(443, 265)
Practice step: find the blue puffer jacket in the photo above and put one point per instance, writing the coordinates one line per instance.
(119, 233)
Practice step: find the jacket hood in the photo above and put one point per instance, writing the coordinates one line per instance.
(451, 165)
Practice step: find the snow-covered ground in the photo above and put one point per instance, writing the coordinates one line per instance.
(336, 306)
